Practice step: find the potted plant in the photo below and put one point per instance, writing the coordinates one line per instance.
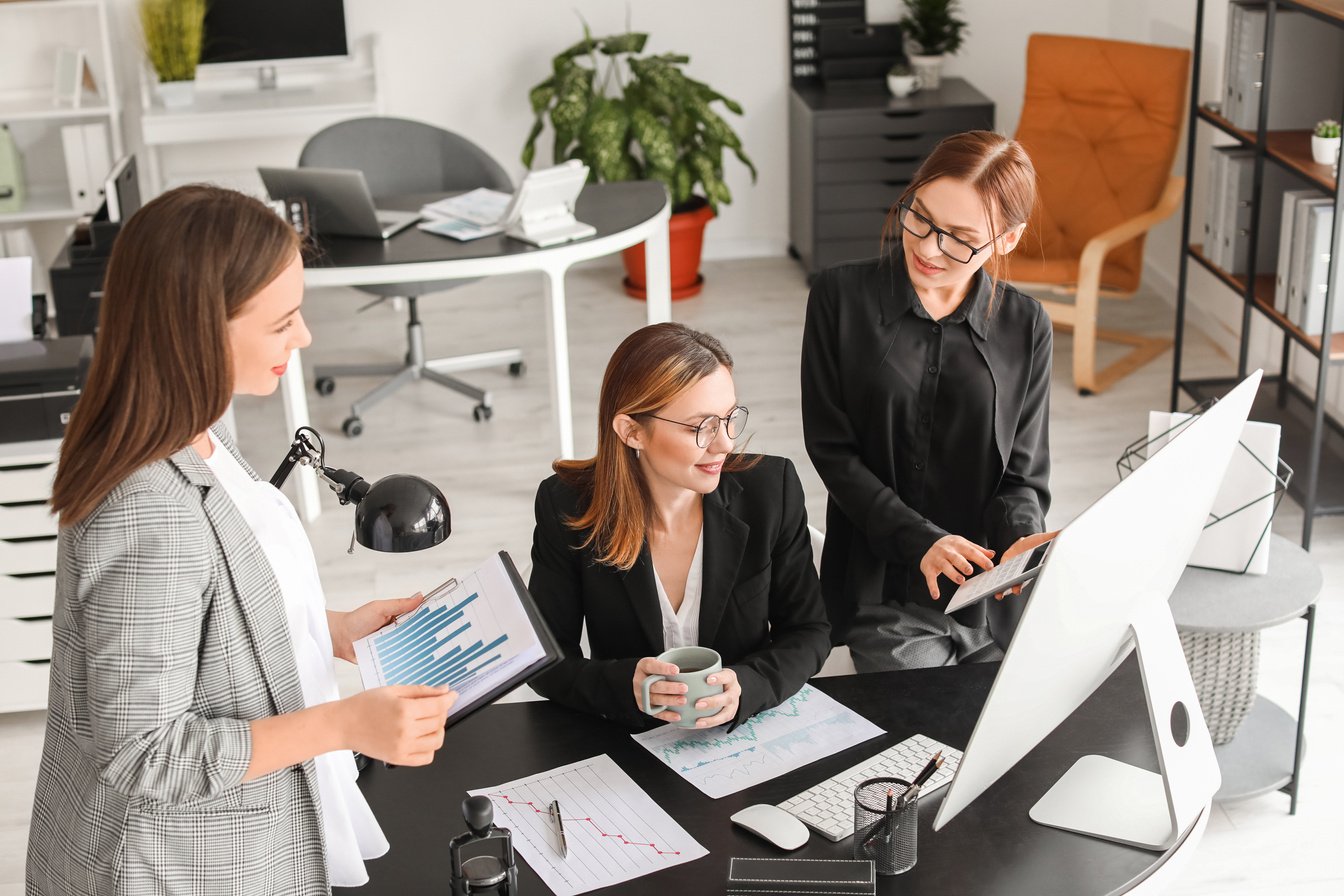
(173, 30)
(933, 31)
(1325, 142)
(630, 116)
(902, 80)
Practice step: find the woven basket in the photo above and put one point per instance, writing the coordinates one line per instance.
(1224, 667)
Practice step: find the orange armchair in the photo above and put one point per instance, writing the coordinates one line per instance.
(1101, 121)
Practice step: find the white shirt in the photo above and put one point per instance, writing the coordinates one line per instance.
(352, 832)
(681, 628)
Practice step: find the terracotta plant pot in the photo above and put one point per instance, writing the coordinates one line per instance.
(686, 234)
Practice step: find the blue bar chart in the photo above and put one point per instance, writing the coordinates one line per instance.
(436, 647)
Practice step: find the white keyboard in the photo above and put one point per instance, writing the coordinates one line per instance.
(828, 807)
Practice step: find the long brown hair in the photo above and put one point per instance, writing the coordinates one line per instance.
(650, 368)
(181, 269)
(995, 166)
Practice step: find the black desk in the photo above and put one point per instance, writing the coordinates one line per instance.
(992, 847)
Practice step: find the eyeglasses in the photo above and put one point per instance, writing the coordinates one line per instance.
(708, 429)
(956, 249)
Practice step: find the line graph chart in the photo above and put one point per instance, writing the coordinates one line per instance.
(806, 727)
(614, 831)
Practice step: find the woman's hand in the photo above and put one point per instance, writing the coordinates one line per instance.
(954, 557)
(1021, 546)
(661, 693)
(727, 701)
(401, 724)
(347, 628)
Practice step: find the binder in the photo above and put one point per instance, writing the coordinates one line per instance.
(1238, 183)
(87, 161)
(1316, 271)
(1297, 269)
(1285, 261)
(1218, 174)
(1244, 210)
(1304, 53)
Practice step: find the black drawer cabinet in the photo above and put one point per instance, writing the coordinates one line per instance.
(851, 154)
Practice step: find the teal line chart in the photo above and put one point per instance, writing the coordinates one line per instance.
(613, 830)
(808, 726)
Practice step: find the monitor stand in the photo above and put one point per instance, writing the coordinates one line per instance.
(1112, 800)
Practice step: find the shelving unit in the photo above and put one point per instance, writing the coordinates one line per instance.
(28, 535)
(31, 111)
(1313, 441)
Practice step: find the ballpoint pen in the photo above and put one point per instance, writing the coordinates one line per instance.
(559, 828)
(924, 775)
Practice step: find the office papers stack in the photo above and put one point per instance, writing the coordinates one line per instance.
(1304, 54)
(478, 634)
(467, 216)
(806, 727)
(16, 299)
(613, 830)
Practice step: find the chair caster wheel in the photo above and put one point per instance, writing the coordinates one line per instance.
(353, 427)
(325, 385)
(1086, 393)
(517, 368)
(482, 412)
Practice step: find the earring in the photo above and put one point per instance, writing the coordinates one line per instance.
(636, 454)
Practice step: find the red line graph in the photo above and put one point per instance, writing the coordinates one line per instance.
(621, 837)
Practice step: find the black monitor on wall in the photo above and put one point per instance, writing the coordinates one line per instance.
(266, 32)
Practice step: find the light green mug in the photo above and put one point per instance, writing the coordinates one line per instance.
(695, 665)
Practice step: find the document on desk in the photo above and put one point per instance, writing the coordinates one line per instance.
(806, 727)
(478, 633)
(614, 831)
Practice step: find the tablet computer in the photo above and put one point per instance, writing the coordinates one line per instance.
(1022, 568)
(480, 634)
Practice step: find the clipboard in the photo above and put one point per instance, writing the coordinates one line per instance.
(482, 634)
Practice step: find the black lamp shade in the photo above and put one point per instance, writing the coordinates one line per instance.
(402, 513)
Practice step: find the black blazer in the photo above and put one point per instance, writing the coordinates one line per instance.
(760, 604)
(853, 314)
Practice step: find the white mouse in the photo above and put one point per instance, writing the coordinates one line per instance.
(773, 824)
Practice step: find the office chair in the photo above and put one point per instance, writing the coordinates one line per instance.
(400, 157)
(1101, 122)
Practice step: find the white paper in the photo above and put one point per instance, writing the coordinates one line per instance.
(473, 637)
(481, 206)
(16, 299)
(806, 727)
(613, 830)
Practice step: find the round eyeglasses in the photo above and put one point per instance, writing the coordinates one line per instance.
(735, 421)
(953, 247)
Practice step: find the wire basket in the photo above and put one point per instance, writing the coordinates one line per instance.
(887, 837)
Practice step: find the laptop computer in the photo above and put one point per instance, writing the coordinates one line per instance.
(339, 202)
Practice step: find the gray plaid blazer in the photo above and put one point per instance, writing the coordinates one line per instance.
(169, 636)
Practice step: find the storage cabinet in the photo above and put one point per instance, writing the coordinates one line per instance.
(27, 572)
(853, 152)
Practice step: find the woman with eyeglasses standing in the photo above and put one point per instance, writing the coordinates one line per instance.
(926, 392)
(667, 538)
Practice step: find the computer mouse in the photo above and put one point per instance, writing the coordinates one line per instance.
(773, 824)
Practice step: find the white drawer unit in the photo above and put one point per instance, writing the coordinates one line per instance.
(27, 572)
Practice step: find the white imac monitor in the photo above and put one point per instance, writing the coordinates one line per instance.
(1103, 590)
(261, 34)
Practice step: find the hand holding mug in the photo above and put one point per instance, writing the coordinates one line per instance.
(680, 681)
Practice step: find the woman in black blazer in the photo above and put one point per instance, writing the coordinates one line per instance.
(620, 537)
(926, 394)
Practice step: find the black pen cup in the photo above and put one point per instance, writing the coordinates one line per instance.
(885, 832)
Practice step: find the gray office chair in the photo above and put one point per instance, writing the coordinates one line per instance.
(400, 157)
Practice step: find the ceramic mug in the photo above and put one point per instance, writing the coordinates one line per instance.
(902, 85)
(695, 665)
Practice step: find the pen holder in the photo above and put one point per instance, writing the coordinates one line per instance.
(887, 838)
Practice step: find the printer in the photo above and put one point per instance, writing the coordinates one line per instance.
(40, 381)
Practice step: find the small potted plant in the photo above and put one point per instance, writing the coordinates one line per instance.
(630, 116)
(173, 31)
(902, 80)
(933, 31)
(1325, 142)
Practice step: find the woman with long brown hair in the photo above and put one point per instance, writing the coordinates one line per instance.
(926, 398)
(195, 742)
(667, 538)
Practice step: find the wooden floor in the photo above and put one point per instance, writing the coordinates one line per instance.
(490, 472)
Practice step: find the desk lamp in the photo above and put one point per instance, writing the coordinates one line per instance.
(396, 514)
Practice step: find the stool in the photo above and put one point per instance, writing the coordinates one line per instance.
(1220, 616)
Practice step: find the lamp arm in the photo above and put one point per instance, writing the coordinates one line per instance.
(308, 450)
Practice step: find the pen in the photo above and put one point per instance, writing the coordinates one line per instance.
(924, 775)
(559, 828)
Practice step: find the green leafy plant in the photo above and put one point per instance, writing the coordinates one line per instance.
(173, 31)
(934, 26)
(900, 70)
(630, 116)
(1329, 128)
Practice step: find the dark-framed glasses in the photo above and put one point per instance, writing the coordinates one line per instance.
(735, 421)
(953, 247)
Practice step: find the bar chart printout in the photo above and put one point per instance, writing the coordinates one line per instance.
(470, 635)
(614, 831)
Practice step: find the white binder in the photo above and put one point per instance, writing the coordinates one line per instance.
(87, 161)
(1316, 270)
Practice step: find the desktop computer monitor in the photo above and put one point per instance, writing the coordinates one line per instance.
(265, 32)
(1101, 592)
